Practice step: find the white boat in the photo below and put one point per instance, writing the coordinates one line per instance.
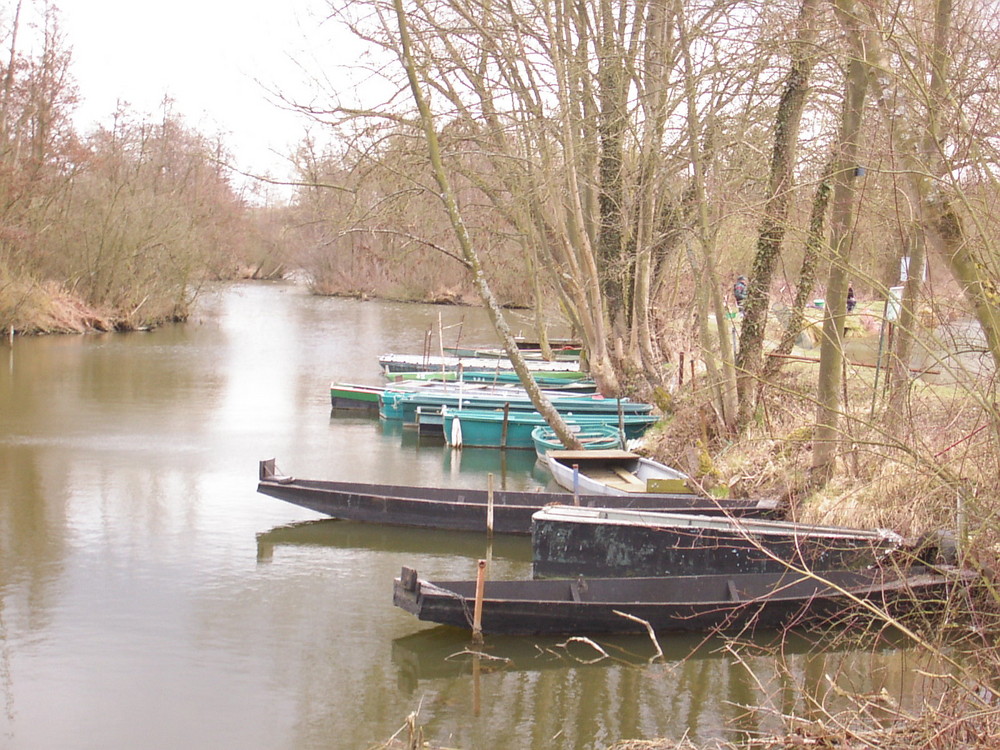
(613, 472)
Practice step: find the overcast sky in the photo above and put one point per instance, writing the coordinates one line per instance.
(212, 57)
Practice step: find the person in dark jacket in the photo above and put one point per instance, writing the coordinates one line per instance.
(740, 291)
(851, 301)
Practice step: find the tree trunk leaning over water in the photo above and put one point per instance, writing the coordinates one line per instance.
(541, 403)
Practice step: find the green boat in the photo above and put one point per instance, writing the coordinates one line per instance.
(484, 428)
(352, 397)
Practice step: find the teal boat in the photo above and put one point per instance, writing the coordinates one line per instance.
(400, 401)
(403, 403)
(578, 382)
(485, 428)
(591, 437)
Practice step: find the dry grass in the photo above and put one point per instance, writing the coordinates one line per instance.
(932, 466)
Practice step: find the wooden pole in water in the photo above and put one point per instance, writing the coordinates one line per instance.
(489, 505)
(477, 615)
(576, 484)
(476, 701)
(503, 430)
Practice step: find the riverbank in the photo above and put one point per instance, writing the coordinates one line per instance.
(43, 309)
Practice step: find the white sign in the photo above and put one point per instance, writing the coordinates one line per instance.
(894, 303)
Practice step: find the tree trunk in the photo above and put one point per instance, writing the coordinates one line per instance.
(807, 274)
(826, 435)
(772, 228)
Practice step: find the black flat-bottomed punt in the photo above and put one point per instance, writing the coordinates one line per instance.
(570, 541)
(467, 509)
(694, 603)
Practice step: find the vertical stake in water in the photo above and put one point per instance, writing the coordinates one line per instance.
(576, 484)
(477, 616)
(476, 671)
(489, 506)
(503, 430)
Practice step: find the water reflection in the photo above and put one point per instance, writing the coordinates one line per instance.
(335, 533)
(582, 690)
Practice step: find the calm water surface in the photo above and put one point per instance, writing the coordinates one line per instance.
(150, 598)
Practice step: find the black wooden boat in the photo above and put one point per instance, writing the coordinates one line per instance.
(703, 603)
(466, 509)
(570, 541)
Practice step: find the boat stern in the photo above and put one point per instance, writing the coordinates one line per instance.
(406, 591)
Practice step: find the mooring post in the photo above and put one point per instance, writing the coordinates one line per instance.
(476, 701)
(503, 429)
(489, 505)
(576, 484)
(477, 615)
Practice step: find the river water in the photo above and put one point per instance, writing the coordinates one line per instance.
(151, 598)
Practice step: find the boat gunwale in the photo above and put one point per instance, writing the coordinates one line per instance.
(565, 513)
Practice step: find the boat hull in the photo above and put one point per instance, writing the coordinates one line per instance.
(693, 603)
(350, 397)
(567, 541)
(459, 509)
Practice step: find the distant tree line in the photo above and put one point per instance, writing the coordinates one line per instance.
(116, 228)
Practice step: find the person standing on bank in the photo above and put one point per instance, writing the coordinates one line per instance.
(740, 291)
(851, 301)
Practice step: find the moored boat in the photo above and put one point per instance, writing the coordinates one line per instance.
(460, 508)
(486, 428)
(569, 541)
(704, 603)
(402, 401)
(417, 362)
(492, 352)
(613, 472)
(591, 437)
(578, 382)
(354, 397)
